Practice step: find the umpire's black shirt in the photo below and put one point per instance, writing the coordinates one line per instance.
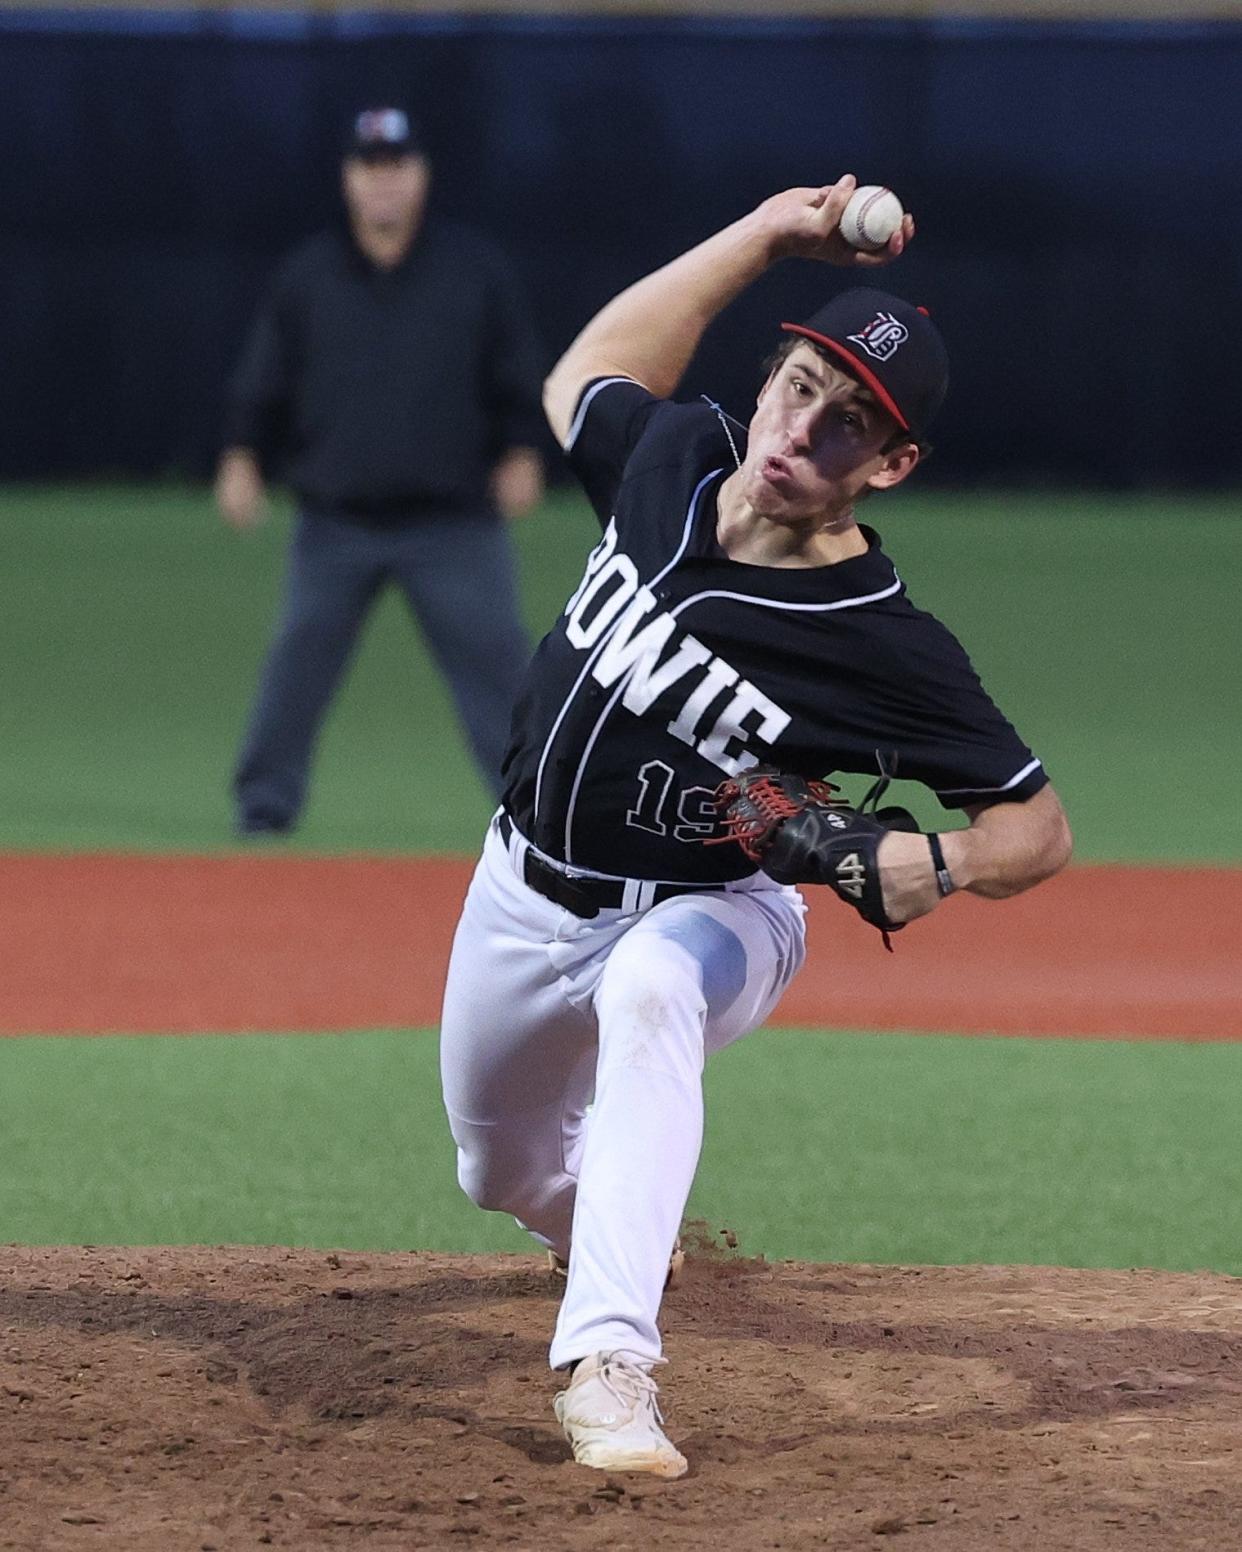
(388, 392)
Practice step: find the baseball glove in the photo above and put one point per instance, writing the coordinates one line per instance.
(799, 832)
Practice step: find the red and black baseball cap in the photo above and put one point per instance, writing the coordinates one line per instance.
(891, 346)
(383, 134)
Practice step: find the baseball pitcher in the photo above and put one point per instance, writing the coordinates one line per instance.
(738, 635)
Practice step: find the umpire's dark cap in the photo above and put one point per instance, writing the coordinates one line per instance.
(891, 346)
(383, 134)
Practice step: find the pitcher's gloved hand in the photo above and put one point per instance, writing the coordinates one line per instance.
(799, 832)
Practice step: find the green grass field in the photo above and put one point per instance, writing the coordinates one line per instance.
(830, 1147)
(133, 627)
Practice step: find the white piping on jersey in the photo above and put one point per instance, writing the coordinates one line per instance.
(580, 416)
(779, 603)
(850, 603)
(601, 644)
(948, 792)
(766, 603)
(622, 686)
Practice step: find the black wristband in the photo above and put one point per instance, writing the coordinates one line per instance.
(944, 879)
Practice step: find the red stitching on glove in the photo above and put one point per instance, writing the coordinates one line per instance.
(772, 805)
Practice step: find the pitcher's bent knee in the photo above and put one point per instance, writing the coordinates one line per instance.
(484, 1180)
(509, 1180)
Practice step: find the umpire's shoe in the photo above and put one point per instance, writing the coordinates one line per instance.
(610, 1416)
(262, 826)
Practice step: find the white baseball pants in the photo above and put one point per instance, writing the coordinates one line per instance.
(545, 1015)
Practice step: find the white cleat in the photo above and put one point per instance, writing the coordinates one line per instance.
(610, 1416)
(676, 1262)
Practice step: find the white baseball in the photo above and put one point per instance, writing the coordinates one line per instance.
(871, 217)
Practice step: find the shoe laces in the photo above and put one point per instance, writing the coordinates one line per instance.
(630, 1382)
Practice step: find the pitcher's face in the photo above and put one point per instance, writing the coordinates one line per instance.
(817, 440)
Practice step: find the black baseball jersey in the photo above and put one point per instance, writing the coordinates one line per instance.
(673, 667)
(391, 391)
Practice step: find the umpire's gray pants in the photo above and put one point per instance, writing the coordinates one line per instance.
(458, 576)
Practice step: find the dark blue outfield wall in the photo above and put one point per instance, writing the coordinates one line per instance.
(1078, 187)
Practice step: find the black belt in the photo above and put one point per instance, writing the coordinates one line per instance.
(585, 897)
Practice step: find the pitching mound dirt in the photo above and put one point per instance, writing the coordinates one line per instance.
(165, 1399)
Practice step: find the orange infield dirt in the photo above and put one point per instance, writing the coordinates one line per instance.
(186, 944)
(169, 1400)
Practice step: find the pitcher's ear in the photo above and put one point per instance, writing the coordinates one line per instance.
(899, 464)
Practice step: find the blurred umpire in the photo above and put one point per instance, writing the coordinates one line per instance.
(395, 368)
